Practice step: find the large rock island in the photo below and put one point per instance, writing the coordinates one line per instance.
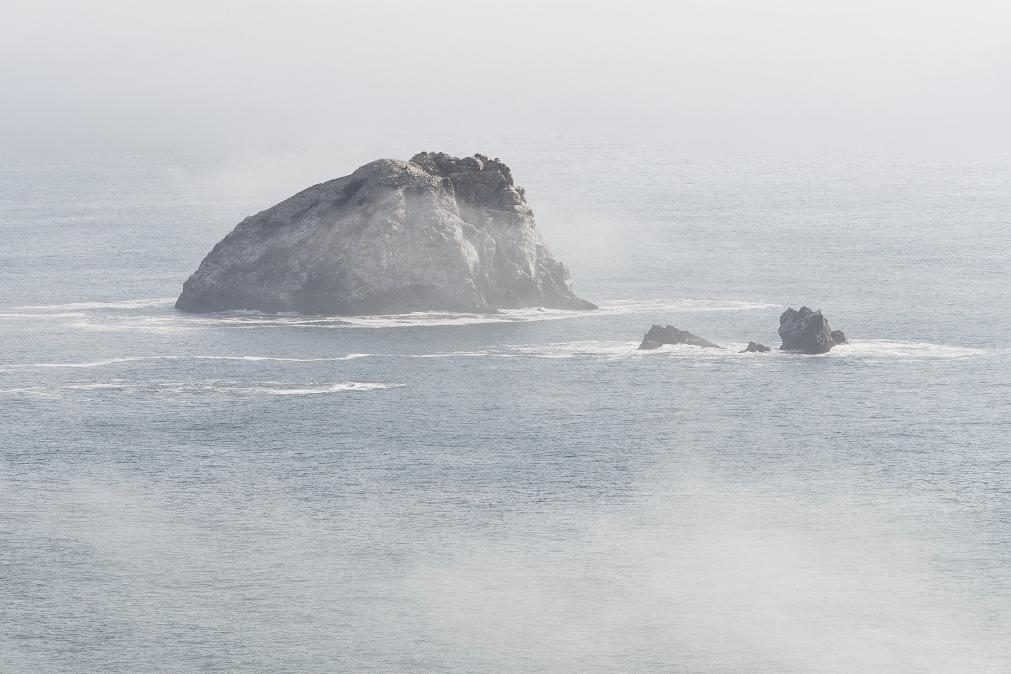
(432, 233)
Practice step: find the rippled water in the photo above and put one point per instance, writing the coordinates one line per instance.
(522, 491)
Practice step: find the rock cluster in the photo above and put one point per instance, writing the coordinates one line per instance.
(433, 233)
(802, 331)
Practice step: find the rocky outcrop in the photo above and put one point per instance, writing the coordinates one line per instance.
(755, 347)
(807, 331)
(659, 335)
(432, 233)
(839, 337)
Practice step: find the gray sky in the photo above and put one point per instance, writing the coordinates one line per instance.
(712, 76)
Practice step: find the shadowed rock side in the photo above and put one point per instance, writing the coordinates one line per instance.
(433, 233)
(660, 335)
(807, 331)
(755, 347)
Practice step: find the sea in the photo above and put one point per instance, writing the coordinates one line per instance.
(524, 491)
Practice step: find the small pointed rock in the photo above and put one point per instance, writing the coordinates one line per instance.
(659, 335)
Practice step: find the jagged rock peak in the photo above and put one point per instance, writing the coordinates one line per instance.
(658, 335)
(440, 163)
(434, 233)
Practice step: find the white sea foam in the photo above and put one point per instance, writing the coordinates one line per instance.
(598, 349)
(579, 349)
(442, 319)
(119, 304)
(870, 349)
(607, 308)
(122, 315)
(457, 354)
(100, 386)
(338, 387)
(276, 359)
(11, 316)
(252, 359)
(614, 350)
(90, 364)
(212, 386)
(152, 324)
(24, 390)
(887, 349)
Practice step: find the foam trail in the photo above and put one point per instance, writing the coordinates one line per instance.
(118, 304)
(273, 359)
(875, 349)
(251, 359)
(96, 363)
(116, 316)
(896, 349)
(222, 387)
(19, 315)
(534, 314)
(611, 350)
(316, 390)
(590, 349)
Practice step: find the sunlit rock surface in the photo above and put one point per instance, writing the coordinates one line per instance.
(433, 233)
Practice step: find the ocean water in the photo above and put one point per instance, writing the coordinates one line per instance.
(522, 492)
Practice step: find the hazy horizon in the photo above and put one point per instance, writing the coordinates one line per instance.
(699, 78)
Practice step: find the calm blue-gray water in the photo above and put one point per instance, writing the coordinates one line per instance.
(525, 492)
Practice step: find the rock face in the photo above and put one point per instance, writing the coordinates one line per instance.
(659, 335)
(432, 233)
(755, 347)
(807, 331)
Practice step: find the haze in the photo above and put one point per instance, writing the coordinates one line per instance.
(793, 77)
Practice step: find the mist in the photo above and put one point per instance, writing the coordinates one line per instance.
(690, 571)
(399, 425)
(390, 78)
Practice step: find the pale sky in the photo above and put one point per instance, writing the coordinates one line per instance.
(713, 76)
